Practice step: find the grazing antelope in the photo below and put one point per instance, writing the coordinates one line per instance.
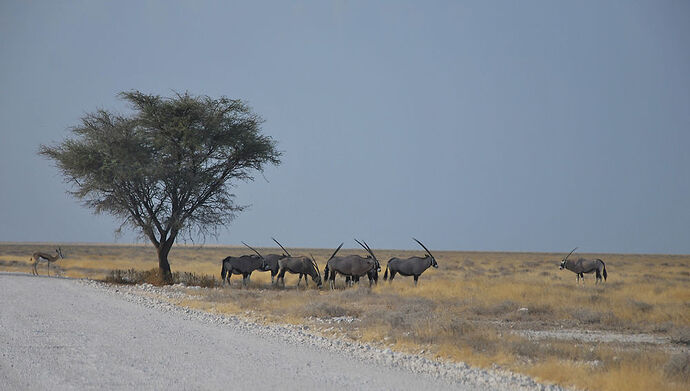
(413, 266)
(302, 265)
(44, 257)
(352, 266)
(583, 265)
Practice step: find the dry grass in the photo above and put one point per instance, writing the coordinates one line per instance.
(156, 277)
(464, 310)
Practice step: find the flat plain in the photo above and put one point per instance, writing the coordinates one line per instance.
(516, 311)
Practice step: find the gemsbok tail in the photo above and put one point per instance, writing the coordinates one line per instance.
(385, 274)
(223, 272)
(604, 273)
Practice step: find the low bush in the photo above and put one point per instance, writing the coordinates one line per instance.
(155, 277)
(588, 316)
(497, 309)
(327, 310)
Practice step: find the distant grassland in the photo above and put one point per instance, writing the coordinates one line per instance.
(466, 310)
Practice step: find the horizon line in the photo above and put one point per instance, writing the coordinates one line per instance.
(143, 244)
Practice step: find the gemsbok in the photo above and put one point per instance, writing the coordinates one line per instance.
(271, 261)
(243, 265)
(44, 257)
(302, 265)
(584, 265)
(413, 266)
(353, 266)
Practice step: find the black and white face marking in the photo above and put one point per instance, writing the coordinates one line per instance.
(317, 280)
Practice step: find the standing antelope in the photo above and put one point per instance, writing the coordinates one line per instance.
(583, 265)
(413, 266)
(243, 265)
(271, 261)
(352, 266)
(44, 257)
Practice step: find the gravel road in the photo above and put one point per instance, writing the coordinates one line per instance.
(64, 334)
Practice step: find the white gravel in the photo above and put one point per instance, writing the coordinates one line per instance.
(66, 334)
(593, 336)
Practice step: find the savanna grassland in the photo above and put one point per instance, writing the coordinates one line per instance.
(514, 310)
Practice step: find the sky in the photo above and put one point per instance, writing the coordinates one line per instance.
(502, 125)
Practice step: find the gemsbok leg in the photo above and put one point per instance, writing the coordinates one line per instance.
(280, 280)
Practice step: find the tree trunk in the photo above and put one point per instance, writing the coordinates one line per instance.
(163, 264)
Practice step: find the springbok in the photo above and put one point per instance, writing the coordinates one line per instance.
(584, 265)
(302, 265)
(413, 266)
(352, 266)
(44, 257)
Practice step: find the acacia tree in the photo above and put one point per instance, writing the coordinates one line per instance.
(166, 169)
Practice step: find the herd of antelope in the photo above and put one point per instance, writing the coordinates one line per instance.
(352, 267)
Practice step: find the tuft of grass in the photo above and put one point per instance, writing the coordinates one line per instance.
(457, 328)
(501, 308)
(327, 310)
(678, 367)
(681, 335)
(640, 306)
(588, 316)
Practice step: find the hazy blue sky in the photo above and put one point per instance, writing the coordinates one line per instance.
(501, 125)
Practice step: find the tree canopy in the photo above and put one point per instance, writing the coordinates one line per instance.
(167, 168)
